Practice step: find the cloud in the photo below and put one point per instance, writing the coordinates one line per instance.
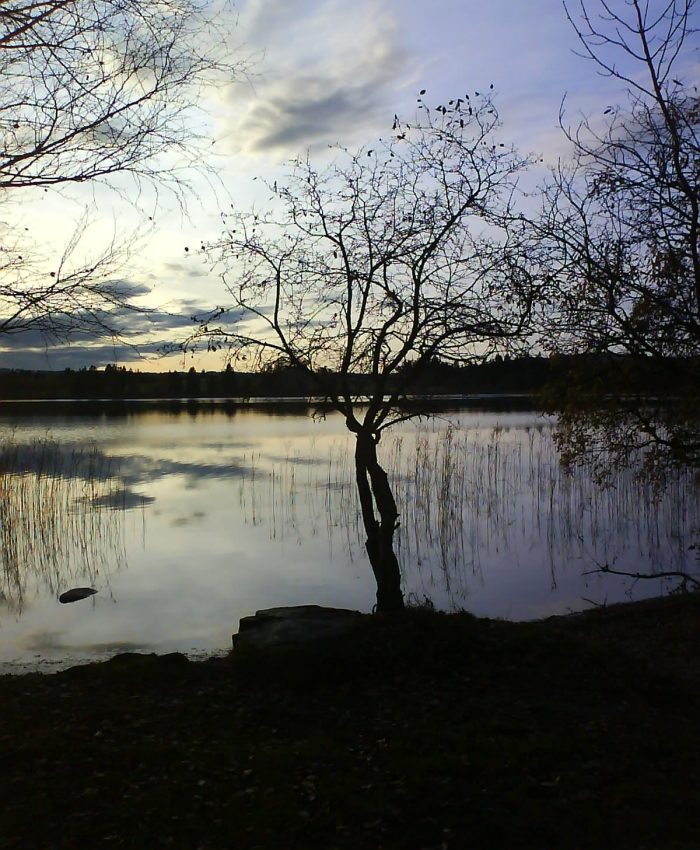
(124, 288)
(183, 270)
(59, 357)
(142, 335)
(330, 68)
(303, 113)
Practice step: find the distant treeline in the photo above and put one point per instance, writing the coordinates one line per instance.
(499, 376)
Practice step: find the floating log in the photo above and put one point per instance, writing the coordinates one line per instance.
(76, 593)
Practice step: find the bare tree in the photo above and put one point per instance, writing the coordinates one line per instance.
(621, 229)
(370, 268)
(91, 90)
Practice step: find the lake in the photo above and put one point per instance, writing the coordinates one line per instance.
(186, 520)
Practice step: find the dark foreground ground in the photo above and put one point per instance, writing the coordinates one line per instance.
(430, 732)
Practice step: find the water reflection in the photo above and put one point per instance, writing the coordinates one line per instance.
(476, 501)
(187, 523)
(52, 530)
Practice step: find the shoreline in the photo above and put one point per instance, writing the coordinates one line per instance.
(599, 616)
(422, 731)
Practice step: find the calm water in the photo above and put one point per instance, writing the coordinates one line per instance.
(186, 522)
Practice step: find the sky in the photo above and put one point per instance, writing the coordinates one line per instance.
(319, 72)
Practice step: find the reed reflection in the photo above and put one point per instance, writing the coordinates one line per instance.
(474, 502)
(61, 512)
(261, 512)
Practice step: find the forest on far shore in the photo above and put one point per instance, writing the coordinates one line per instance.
(534, 376)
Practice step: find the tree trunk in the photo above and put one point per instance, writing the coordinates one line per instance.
(374, 489)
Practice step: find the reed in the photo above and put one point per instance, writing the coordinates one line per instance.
(60, 521)
(471, 497)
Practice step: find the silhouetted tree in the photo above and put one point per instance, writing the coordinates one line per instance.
(89, 90)
(388, 258)
(621, 229)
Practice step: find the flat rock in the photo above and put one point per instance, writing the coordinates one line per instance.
(295, 624)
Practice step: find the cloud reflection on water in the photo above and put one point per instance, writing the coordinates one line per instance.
(216, 516)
